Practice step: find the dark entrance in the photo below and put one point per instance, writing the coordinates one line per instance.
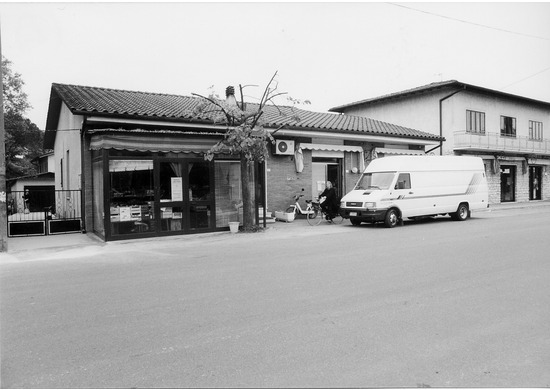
(326, 169)
(535, 183)
(186, 189)
(507, 183)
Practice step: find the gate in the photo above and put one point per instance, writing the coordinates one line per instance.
(39, 212)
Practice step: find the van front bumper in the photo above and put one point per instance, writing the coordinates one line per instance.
(363, 215)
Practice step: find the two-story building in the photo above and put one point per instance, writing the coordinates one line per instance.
(506, 130)
(138, 159)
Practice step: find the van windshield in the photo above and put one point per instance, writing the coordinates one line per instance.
(375, 180)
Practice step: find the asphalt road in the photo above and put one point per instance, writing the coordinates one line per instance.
(436, 303)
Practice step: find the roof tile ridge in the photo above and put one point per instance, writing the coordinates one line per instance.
(110, 89)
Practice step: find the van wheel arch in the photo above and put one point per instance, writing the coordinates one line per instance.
(392, 218)
(462, 212)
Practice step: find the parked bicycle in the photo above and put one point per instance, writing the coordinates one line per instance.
(297, 209)
(313, 211)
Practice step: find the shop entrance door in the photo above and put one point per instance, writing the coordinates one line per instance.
(535, 183)
(185, 192)
(326, 170)
(507, 183)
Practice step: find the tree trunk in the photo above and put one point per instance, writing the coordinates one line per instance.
(247, 178)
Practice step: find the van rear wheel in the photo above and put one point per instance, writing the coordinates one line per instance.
(392, 218)
(462, 213)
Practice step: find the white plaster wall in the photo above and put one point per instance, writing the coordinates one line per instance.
(51, 163)
(419, 113)
(422, 113)
(21, 183)
(68, 139)
(494, 108)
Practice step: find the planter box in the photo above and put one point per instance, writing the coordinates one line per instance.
(285, 217)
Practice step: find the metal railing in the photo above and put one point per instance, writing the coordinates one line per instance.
(32, 205)
(496, 142)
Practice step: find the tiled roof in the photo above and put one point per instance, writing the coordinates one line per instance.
(83, 100)
(434, 86)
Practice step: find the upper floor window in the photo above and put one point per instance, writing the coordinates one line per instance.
(535, 130)
(507, 126)
(475, 122)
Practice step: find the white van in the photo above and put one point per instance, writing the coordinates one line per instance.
(393, 188)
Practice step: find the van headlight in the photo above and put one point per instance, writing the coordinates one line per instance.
(342, 204)
(370, 205)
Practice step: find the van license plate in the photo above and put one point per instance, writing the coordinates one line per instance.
(353, 214)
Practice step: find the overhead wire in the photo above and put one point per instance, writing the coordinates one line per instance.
(472, 23)
(526, 78)
(484, 26)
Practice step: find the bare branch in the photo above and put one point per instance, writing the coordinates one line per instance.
(267, 90)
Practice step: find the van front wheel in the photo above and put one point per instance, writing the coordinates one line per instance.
(392, 218)
(462, 213)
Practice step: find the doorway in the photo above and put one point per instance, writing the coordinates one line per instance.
(186, 195)
(507, 183)
(323, 170)
(535, 183)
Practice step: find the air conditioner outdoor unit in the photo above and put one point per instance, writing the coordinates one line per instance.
(284, 147)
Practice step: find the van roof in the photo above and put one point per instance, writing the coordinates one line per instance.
(425, 163)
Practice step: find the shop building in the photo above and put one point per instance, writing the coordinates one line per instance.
(138, 159)
(509, 132)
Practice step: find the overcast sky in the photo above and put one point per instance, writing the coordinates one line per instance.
(328, 53)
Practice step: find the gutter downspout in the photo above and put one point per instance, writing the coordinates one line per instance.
(441, 116)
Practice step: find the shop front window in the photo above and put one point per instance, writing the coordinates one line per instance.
(131, 196)
(199, 194)
(199, 181)
(171, 196)
(171, 219)
(171, 182)
(228, 192)
(97, 179)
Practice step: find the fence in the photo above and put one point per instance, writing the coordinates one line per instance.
(42, 212)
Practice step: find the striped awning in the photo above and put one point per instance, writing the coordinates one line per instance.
(152, 143)
(387, 151)
(331, 148)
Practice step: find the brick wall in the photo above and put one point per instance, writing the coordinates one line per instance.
(522, 183)
(283, 182)
(546, 183)
(350, 178)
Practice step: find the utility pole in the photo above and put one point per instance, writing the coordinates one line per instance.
(3, 195)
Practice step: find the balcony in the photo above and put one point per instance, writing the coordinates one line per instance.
(494, 142)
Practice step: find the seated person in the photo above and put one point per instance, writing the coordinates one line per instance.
(330, 204)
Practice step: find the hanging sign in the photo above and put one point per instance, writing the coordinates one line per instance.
(177, 189)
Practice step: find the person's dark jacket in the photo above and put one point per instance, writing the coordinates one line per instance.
(331, 202)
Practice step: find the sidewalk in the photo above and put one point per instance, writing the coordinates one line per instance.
(27, 245)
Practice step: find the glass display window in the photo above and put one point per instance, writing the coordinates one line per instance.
(228, 192)
(131, 196)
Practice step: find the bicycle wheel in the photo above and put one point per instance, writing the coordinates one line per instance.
(314, 217)
(337, 219)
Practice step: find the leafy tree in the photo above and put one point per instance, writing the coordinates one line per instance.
(245, 136)
(24, 139)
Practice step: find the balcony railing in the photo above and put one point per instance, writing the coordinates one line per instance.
(495, 142)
